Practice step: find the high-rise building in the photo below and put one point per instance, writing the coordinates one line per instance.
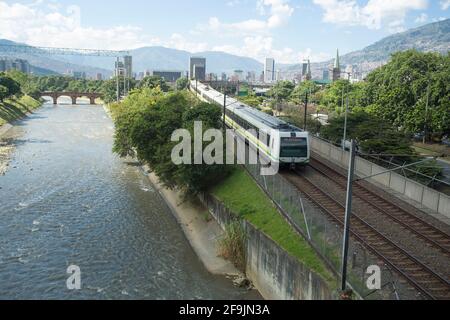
(197, 68)
(278, 76)
(169, 76)
(269, 70)
(326, 75)
(337, 67)
(224, 76)
(306, 70)
(99, 76)
(238, 75)
(79, 74)
(128, 65)
(7, 64)
(251, 76)
(304, 67)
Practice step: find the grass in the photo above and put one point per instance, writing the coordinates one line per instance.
(15, 109)
(232, 245)
(241, 195)
(432, 149)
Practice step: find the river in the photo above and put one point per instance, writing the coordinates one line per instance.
(68, 200)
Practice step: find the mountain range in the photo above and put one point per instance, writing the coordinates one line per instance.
(434, 37)
(431, 37)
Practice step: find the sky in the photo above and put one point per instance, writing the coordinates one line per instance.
(287, 30)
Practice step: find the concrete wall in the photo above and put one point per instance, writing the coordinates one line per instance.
(275, 274)
(429, 198)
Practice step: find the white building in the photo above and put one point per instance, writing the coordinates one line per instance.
(269, 70)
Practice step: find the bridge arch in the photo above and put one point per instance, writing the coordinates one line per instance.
(58, 99)
(72, 95)
(81, 99)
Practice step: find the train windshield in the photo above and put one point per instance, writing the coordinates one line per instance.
(294, 147)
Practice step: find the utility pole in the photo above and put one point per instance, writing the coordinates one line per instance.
(346, 113)
(117, 80)
(196, 86)
(425, 130)
(348, 213)
(306, 111)
(124, 82)
(224, 109)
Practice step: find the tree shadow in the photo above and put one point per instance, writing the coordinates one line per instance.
(10, 112)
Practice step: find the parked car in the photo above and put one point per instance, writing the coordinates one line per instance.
(419, 136)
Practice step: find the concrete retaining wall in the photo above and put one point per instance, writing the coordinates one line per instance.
(275, 274)
(429, 198)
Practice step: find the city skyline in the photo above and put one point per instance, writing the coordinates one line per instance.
(256, 29)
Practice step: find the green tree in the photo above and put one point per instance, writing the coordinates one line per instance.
(3, 93)
(108, 88)
(145, 122)
(299, 93)
(400, 92)
(9, 83)
(282, 90)
(153, 82)
(252, 100)
(334, 96)
(182, 83)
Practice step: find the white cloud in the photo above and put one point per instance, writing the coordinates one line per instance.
(376, 14)
(422, 18)
(43, 23)
(178, 41)
(278, 13)
(40, 25)
(259, 47)
(445, 4)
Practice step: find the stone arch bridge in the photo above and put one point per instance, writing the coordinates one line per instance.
(73, 95)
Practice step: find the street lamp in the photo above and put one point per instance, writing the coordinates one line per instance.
(346, 111)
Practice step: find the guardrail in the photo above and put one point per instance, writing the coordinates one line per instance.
(427, 197)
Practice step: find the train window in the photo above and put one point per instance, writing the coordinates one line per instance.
(294, 148)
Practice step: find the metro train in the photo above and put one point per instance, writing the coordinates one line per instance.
(281, 142)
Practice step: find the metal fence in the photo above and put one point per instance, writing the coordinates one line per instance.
(326, 235)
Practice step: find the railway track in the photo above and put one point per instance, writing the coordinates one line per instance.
(421, 228)
(420, 276)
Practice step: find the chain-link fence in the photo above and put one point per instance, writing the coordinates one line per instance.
(325, 235)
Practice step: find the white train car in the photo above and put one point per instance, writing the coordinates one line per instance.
(277, 140)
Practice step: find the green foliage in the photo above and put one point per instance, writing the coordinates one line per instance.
(12, 86)
(14, 108)
(3, 93)
(398, 92)
(297, 118)
(282, 90)
(252, 100)
(108, 89)
(306, 87)
(376, 137)
(152, 82)
(182, 83)
(232, 245)
(145, 122)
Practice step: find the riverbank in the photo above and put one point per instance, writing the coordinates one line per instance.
(201, 230)
(15, 109)
(198, 226)
(12, 110)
